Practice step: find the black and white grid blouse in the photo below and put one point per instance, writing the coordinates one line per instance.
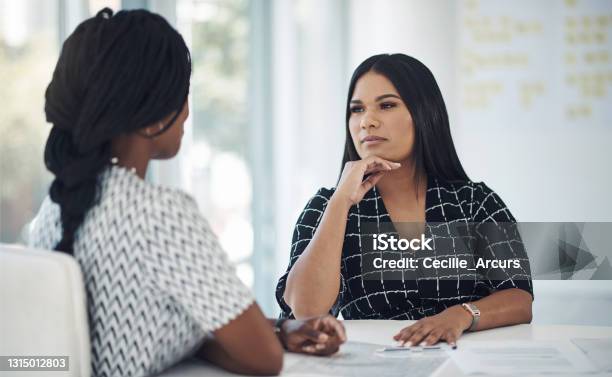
(157, 281)
(419, 294)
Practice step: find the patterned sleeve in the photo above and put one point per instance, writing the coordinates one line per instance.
(45, 230)
(189, 264)
(304, 230)
(498, 239)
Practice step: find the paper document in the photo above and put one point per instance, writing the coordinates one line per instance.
(363, 360)
(521, 358)
(598, 351)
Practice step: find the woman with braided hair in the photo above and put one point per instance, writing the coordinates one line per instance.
(159, 287)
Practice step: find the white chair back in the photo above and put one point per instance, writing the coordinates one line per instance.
(43, 308)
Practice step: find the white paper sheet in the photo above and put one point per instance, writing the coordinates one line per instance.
(357, 359)
(599, 351)
(521, 358)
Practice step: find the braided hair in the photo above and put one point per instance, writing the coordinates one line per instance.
(115, 74)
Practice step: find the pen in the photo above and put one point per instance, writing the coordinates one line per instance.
(414, 349)
(389, 349)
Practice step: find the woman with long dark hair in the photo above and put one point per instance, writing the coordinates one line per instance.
(159, 287)
(400, 167)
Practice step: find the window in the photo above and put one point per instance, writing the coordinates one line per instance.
(28, 52)
(216, 155)
(242, 115)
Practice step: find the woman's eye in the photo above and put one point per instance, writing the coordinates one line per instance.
(387, 105)
(356, 109)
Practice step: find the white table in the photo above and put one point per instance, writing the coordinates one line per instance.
(380, 332)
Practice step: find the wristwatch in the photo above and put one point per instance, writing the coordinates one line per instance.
(475, 312)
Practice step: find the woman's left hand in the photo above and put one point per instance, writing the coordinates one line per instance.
(447, 326)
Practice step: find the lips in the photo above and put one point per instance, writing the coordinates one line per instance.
(372, 139)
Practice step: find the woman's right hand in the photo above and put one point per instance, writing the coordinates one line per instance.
(322, 335)
(352, 187)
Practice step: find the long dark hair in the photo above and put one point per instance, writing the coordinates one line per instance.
(434, 152)
(115, 74)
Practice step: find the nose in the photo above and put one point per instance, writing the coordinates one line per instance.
(368, 122)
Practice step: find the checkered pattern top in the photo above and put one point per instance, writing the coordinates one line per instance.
(414, 296)
(157, 281)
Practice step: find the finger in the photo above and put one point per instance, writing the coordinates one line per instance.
(404, 336)
(376, 177)
(329, 349)
(393, 165)
(378, 160)
(407, 331)
(402, 331)
(386, 164)
(418, 336)
(379, 165)
(370, 182)
(450, 338)
(312, 334)
(433, 338)
(333, 327)
(319, 324)
(375, 168)
(320, 349)
(398, 336)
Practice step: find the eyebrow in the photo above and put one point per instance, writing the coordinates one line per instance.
(379, 98)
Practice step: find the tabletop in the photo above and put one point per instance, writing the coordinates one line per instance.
(381, 332)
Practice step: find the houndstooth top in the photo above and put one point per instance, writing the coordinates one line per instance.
(414, 294)
(157, 281)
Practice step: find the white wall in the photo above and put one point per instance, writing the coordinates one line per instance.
(422, 29)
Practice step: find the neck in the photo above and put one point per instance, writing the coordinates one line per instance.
(402, 182)
(132, 153)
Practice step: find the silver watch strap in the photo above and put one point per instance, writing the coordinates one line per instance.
(475, 312)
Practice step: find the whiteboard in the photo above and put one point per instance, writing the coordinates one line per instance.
(526, 63)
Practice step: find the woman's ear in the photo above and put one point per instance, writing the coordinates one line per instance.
(151, 130)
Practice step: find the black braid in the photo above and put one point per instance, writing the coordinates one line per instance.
(115, 74)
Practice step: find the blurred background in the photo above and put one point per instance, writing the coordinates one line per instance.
(527, 85)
